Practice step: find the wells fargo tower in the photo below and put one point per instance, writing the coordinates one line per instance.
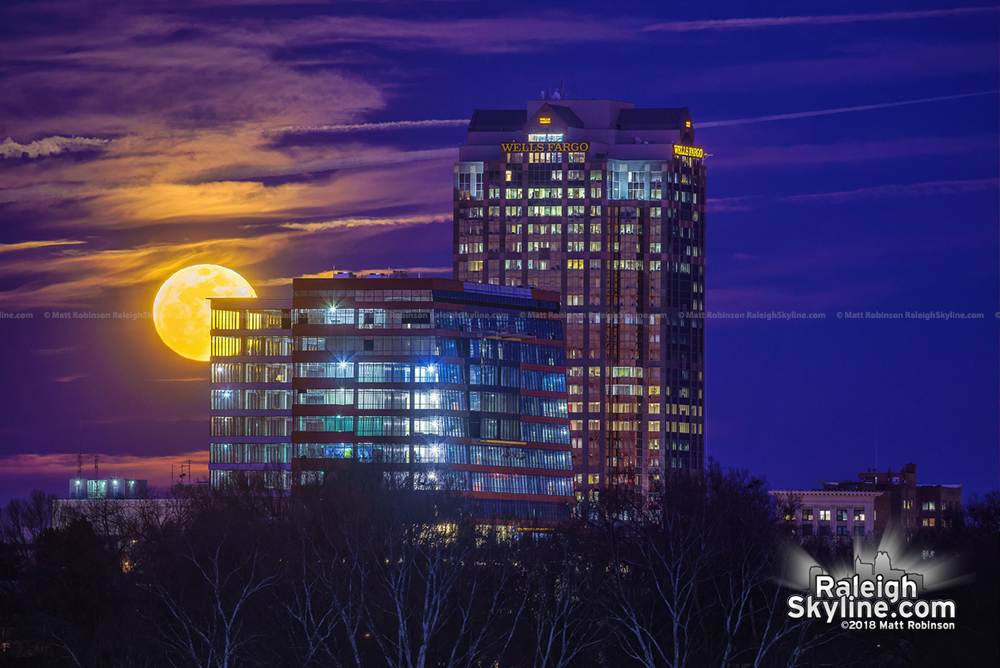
(605, 203)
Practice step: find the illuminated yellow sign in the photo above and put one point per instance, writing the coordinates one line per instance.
(690, 151)
(544, 120)
(549, 147)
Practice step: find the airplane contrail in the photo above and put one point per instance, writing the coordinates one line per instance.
(778, 21)
(841, 110)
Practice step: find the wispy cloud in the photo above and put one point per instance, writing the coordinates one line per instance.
(887, 191)
(840, 110)
(69, 379)
(178, 380)
(33, 245)
(252, 172)
(50, 146)
(363, 127)
(367, 222)
(784, 21)
(717, 204)
(848, 151)
(480, 35)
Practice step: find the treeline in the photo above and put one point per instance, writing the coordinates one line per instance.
(360, 575)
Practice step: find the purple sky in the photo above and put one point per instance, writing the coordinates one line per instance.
(146, 137)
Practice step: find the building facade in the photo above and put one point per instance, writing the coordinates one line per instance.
(824, 513)
(448, 385)
(110, 488)
(604, 203)
(924, 509)
(251, 398)
(444, 384)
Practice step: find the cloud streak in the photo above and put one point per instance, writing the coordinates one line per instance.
(155, 469)
(840, 110)
(254, 172)
(785, 21)
(32, 245)
(50, 146)
(365, 127)
(927, 189)
(366, 222)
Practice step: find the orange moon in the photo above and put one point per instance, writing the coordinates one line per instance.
(182, 313)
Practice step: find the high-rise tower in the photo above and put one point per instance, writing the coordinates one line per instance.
(605, 203)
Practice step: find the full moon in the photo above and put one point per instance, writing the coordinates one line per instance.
(182, 313)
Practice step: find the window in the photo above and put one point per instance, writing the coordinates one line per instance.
(841, 514)
(824, 515)
(842, 531)
(927, 505)
(324, 369)
(383, 399)
(859, 531)
(859, 514)
(388, 372)
(325, 397)
(928, 522)
(807, 514)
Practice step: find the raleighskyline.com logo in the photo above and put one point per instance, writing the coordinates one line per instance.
(877, 596)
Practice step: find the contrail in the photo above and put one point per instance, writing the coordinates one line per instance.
(841, 110)
(361, 127)
(779, 21)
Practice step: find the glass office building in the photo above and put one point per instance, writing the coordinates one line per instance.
(604, 203)
(448, 385)
(444, 384)
(251, 399)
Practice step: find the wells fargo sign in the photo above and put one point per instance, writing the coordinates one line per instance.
(548, 147)
(689, 151)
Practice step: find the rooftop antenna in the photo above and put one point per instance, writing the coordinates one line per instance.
(96, 475)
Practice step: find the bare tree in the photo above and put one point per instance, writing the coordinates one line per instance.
(324, 602)
(565, 581)
(204, 616)
(23, 521)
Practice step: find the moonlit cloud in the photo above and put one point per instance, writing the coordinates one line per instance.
(32, 245)
(49, 146)
(784, 21)
(366, 222)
